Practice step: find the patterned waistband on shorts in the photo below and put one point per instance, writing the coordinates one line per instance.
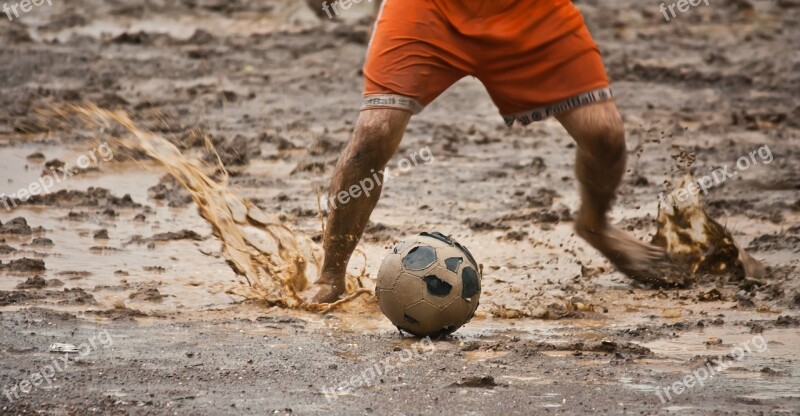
(391, 101)
(541, 113)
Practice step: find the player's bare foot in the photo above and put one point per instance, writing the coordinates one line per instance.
(641, 262)
(325, 290)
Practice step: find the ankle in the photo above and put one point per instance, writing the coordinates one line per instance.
(332, 278)
(590, 223)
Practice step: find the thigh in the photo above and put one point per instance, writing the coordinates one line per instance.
(413, 56)
(537, 80)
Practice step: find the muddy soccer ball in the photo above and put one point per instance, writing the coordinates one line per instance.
(429, 285)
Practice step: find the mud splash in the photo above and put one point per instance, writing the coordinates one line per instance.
(700, 244)
(275, 262)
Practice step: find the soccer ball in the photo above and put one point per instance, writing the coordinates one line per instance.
(429, 285)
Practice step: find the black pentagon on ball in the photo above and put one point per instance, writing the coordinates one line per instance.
(452, 263)
(419, 258)
(470, 285)
(448, 240)
(437, 286)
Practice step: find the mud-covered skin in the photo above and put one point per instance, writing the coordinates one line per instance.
(716, 81)
(640, 262)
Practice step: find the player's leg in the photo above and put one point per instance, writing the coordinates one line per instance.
(599, 166)
(407, 66)
(377, 134)
(559, 65)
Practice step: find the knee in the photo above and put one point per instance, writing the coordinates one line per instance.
(372, 131)
(614, 140)
(606, 137)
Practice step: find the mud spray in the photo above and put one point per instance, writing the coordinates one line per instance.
(700, 244)
(276, 263)
(695, 241)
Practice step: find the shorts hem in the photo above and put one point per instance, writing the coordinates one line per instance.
(543, 112)
(400, 102)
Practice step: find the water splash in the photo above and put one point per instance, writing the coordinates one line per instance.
(697, 242)
(275, 262)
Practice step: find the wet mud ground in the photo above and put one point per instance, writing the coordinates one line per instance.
(119, 247)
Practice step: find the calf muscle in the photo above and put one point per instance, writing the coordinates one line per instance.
(376, 137)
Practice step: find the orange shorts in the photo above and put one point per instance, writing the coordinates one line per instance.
(536, 58)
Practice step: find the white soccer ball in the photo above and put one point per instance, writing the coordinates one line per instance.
(429, 284)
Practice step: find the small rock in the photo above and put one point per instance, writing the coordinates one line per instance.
(42, 242)
(16, 226)
(23, 265)
(37, 156)
(35, 282)
(6, 249)
(485, 382)
(710, 296)
(149, 295)
(744, 300)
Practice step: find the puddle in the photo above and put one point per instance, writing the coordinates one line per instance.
(630, 384)
(680, 409)
(178, 269)
(294, 16)
(474, 356)
(550, 397)
(748, 376)
(283, 16)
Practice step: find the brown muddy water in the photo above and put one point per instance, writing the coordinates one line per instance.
(126, 250)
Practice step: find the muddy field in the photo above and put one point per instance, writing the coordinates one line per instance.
(116, 261)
